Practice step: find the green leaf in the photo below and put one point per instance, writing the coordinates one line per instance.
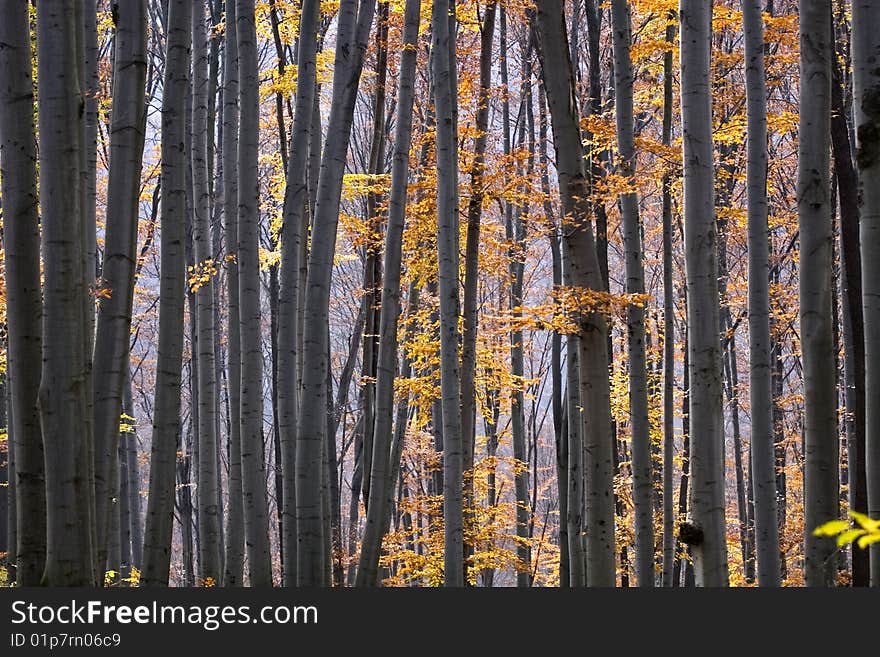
(831, 528)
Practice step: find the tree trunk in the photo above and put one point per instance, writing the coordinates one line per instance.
(120, 247)
(70, 555)
(760, 373)
(667, 579)
(234, 562)
(383, 466)
(351, 45)
(586, 275)
(166, 408)
(26, 548)
(815, 280)
(445, 95)
(295, 202)
(560, 426)
(635, 284)
(853, 317)
(256, 507)
(134, 479)
(707, 429)
(372, 249)
(202, 279)
(866, 78)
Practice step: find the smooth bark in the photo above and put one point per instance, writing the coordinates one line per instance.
(64, 388)
(383, 462)
(701, 244)
(635, 284)
(26, 547)
(762, 459)
(352, 35)
(113, 331)
(821, 493)
(166, 405)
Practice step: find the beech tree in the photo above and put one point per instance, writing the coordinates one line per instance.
(866, 105)
(166, 406)
(21, 244)
(510, 368)
(707, 532)
(815, 288)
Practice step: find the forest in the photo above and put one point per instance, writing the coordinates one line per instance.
(421, 293)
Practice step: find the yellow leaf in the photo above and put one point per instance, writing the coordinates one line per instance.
(831, 528)
(868, 539)
(865, 522)
(847, 537)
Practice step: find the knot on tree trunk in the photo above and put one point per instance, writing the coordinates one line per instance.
(690, 534)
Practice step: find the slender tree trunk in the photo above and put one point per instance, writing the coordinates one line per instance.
(26, 548)
(383, 465)
(592, 340)
(853, 318)
(120, 246)
(5, 472)
(70, 555)
(234, 561)
(445, 97)
(134, 479)
(372, 250)
(635, 284)
(166, 407)
(256, 508)
(185, 508)
(560, 426)
(760, 373)
(815, 227)
(202, 278)
(731, 381)
(866, 78)
(295, 202)
(352, 35)
(472, 254)
(707, 430)
(11, 529)
(126, 435)
(87, 63)
(667, 574)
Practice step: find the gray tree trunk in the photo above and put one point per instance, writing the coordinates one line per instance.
(210, 562)
(445, 98)
(134, 480)
(21, 242)
(256, 506)
(866, 97)
(166, 407)
(704, 345)
(372, 262)
(667, 578)
(635, 284)
(592, 338)
(352, 35)
(763, 460)
(472, 251)
(560, 425)
(120, 247)
(87, 61)
(234, 559)
(383, 463)
(295, 204)
(821, 488)
(67, 439)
